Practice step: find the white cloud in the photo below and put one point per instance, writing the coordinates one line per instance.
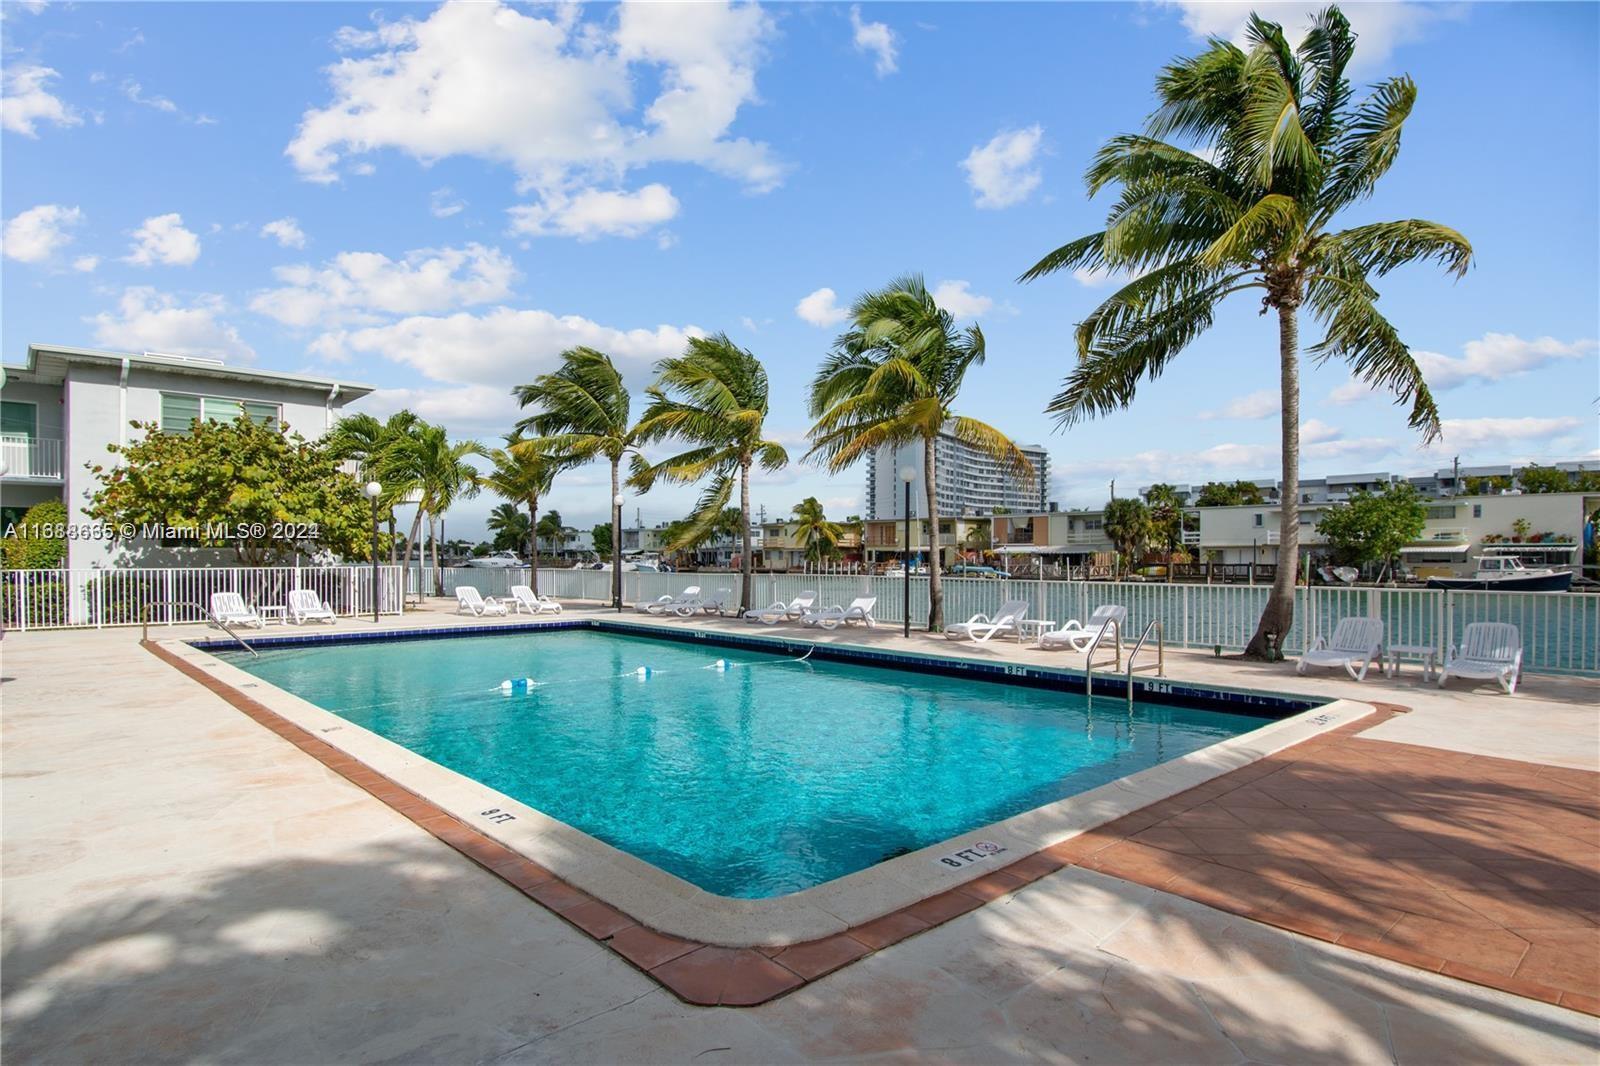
(958, 298)
(596, 213)
(355, 288)
(821, 308)
(1316, 431)
(549, 95)
(1095, 277)
(148, 320)
(443, 203)
(467, 410)
(1260, 404)
(503, 346)
(37, 234)
(1352, 391)
(1381, 27)
(86, 264)
(876, 38)
(25, 102)
(1001, 172)
(286, 231)
(135, 92)
(1496, 356)
(1470, 433)
(162, 239)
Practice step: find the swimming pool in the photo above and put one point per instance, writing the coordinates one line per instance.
(757, 779)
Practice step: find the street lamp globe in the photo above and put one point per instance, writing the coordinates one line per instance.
(373, 490)
(618, 500)
(908, 475)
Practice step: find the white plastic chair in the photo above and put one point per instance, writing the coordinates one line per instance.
(667, 604)
(470, 600)
(229, 608)
(306, 606)
(523, 599)
(1086, 636)
(860, 610)
(1490, 651)
(1354, 640)
(981, 628)
(783, 612)
(715, 603)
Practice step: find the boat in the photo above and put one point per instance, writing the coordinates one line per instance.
(496, 561)
(1506, 574)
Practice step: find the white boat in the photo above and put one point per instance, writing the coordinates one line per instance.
(1504, 573)
(496, 561)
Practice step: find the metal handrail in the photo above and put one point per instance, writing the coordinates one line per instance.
(1161, 654)
(144, 622)
(1088, 663)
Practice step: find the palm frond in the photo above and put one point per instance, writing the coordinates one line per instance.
(1380, 247)
(1358, 333)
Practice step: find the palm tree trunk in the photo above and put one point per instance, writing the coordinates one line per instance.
(746, 565)
(1278, 616)
(616, 537)
(935, 588)
(533, 544)
(394, 542)
(433, 540)
(411, 543)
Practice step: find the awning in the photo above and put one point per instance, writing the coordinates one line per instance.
(1519, 549)
(1043, 549)
(1445, 547)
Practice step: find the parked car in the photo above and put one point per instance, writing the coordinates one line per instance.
(974, 570)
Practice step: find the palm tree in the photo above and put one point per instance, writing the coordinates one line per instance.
(1127, 524)
(713, 397)
(1279, 150)
(583, 415)
(552, 530)
(1166, 515)
(819, 536)
(522, 473)
(511, 528)
(892, 379)
(366, 440)
(428, 464)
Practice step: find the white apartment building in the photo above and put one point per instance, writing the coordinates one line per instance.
(1337, 488)
(62, 408)
(969, 480)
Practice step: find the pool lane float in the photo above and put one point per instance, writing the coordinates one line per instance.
(643, 673)
(513, 685)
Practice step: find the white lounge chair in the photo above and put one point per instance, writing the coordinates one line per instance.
(667, 604)
(1490, 651)
(306, 606)
(524, 599)
(783, 612)
(981, 628)
(860, 610)
(229, 608)
(471, 601)
(714, 603)
(1354, 641)
(1086, 636)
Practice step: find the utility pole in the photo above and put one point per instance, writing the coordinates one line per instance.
(1113, 488)
(1455, 476)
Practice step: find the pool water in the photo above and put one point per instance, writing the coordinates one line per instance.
(757, 780)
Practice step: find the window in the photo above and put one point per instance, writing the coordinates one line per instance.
(18, 419)
(1093, 523)
(1442, 512)
(1258, 520)
(1477, 510)
(179, 411)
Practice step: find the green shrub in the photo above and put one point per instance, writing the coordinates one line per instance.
(23, 549)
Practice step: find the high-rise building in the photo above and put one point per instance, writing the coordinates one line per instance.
(969, 480)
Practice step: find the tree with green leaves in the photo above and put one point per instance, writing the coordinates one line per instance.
(892, 379)
(552, 530)
(818, 536)
(712, 398)
(224, 480)
(426, 463)
(522, 473)
(601, 535)
(1126, 522)
(35, 541)
(1534, 478)
(365, 439)
(1229, 494)
(1237, 184)
(1373, 528)
(511, 528)
(1166, 515)
(583, 414)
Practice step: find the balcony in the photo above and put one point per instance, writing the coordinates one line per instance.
(30, 458)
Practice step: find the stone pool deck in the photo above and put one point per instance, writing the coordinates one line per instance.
(180, 883)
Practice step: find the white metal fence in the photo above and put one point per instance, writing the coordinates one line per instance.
(79, 599)
(1560, 631)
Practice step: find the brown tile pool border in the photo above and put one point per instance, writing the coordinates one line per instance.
(708, 975)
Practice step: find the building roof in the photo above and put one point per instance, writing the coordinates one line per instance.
(48, 363)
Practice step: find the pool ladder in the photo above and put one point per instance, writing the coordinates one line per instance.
(144, 622)
(1161, 656)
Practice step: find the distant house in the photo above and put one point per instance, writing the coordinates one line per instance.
(61, 409)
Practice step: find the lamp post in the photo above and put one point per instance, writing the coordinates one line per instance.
(616, 552)
(907, 475)
(373, 491)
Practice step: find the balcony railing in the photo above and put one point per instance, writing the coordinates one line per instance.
(31, 457)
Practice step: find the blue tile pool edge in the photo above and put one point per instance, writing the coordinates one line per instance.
(1251, 703)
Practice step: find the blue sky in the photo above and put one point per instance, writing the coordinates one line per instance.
(439, 200)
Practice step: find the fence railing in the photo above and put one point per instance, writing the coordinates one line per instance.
(95, 598)
(1560, 631)
(28, 457)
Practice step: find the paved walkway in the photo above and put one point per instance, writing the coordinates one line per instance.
(180, 883)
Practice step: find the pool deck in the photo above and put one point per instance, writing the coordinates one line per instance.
(179, 882)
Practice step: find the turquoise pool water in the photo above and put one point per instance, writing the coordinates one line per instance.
(759, 780)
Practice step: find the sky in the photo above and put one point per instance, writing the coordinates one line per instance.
(439, 200)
